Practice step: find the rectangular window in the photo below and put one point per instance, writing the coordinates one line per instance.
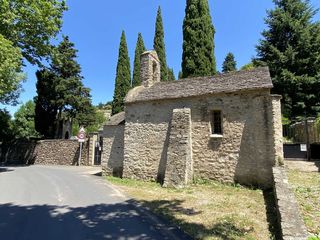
(216, 122)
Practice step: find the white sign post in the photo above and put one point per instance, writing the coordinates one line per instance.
(81, 139)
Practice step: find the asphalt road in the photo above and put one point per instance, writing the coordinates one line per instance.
(57, 203)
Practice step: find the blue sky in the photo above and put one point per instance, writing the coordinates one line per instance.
(95, 27)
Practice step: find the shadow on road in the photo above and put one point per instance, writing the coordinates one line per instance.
(113, 221)
(226, 228)
(4, 169)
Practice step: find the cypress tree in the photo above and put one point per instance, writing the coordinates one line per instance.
(291, 48)
(159, 46)
(171, 76)
(140, 48)
(229, 64)
(198, 40)
(123, 81)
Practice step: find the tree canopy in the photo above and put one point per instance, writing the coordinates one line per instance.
(23, 123)
(30, 25)
(123, 79)
(198, 40)
(229, 63)
(159, 46)
(10, 71)
(26, 29)
(61, 93)
(291, 48)
(140, 48)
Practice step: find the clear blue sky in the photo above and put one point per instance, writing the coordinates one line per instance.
(95, 27)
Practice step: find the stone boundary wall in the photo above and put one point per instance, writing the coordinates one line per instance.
(44, 152)
(291, 225)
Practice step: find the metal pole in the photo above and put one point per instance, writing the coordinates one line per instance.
(79, 160)
(307, 138)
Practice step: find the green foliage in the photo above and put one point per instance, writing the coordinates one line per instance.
(30, 25)
(105, 106)
(229, 64)
(198, 40)
(98, 119)
(159, 46)
(248, 66)
(26, 28)
(285, 121)
(61, 93)
(171, 76)
(314, 237)
(6, 129)
(45, 107)
(318, 123)
(23, 123)
(291, 48)
(140, 48)
(123, 80)
(10, 71)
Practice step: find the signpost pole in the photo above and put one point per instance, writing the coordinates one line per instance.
(79, 159)
(81, 139)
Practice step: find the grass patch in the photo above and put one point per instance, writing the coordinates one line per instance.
(306, 186)
(205, 210)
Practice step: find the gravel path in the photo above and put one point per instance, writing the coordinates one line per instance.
(303, 166)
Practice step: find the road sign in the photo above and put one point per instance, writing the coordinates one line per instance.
(81, 135)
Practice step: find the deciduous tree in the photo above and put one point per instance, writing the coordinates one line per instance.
(26, 29)
(23, 123)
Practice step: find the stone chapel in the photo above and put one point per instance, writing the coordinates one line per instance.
(225, 127)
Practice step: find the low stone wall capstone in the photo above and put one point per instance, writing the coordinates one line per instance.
(291, 225)
(44, 152)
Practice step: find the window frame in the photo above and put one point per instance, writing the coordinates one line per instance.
(215, 131)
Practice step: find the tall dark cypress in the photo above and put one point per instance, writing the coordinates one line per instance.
(159, 46)
(123, 79)
(171, 76)
(229, 63)
(198, 40)
(140, 48)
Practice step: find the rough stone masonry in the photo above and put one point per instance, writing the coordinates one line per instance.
(226, 127)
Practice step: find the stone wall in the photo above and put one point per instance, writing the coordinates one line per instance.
(244, 153)
(112, 154)
(291, 225)
(44, 152)
(179, 167)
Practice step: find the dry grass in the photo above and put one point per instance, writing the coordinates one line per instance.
(306, 186)
(205, 210)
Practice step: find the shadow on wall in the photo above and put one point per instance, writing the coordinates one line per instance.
(18, 152)
(271, 210)
(84, 159)
(254, 166)
(116, 157)
(163, 161)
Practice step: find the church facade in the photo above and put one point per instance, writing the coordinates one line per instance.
(225, 127)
